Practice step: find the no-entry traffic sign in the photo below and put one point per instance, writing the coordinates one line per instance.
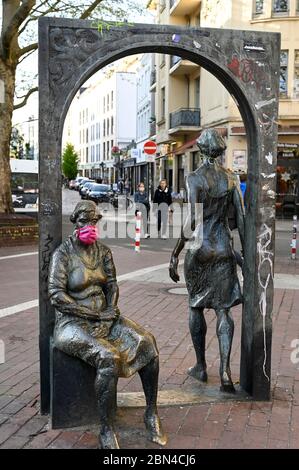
(150, 147)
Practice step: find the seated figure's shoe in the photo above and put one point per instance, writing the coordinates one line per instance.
(226, 383)
(154, 428)
(198, 373)
(108, 439)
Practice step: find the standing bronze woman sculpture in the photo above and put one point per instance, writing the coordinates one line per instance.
(84, 291)
(211, 268)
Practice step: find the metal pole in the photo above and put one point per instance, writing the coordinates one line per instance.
(294, 240)
(138, 232)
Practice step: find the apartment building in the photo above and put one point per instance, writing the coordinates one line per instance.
(188, 98)
(103, 116)
(146, 126)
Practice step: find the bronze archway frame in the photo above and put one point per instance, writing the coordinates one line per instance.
(247, 64)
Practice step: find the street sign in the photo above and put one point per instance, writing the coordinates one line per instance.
(150, 147)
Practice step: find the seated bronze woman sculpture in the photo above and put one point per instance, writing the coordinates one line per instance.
(89, 326)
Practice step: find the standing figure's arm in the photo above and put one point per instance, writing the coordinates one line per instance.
(240, 213)
(190, 221)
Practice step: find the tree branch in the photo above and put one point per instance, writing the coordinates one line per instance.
(12, 28)
(90, 9)
(24, 102)
(25, 56)
(51, 9)
(24, 50)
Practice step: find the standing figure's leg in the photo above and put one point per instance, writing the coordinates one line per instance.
(105, 388)
(198, 330)
(149, 378)
(225, 333)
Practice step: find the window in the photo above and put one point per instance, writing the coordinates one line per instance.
(104, 151)
(98, 152)
(86, 153)
(296, 75)
(111, 99)
(104, 104)
(92, 153)
(80, 118)
(80, 137)
(104, 128)
(280, 6)
(107, 102)
(163, 103)
(108, 150)
(86, 140)
(108, 126)
(98, 130)
(111, 144)
(83, 117)
(283, 77)
(92, 132)
(86, 115)
(258, 6)
(112, 125)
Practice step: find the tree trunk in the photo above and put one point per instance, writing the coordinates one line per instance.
(7, 74)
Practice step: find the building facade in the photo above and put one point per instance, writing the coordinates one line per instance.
(103, 116)
(189, 99)
(144, 166)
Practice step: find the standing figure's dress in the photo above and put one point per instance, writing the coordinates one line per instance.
(211, 269)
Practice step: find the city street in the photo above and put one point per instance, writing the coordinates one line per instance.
(148, 296)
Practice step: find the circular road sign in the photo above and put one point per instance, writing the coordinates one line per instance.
(150, 147)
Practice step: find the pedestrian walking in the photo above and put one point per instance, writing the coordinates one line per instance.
(163, 198)
(142, 204)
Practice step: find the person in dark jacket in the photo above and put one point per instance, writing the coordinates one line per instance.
(142, 204)
(163, 198)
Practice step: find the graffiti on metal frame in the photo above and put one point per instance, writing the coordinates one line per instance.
(103, 25)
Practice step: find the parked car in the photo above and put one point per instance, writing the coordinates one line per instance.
(83, 188)
(72, 184)
(99, 193)
(79, 181)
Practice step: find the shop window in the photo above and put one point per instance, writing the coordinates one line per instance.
(283, 77)
(280, 7)
(296, 75)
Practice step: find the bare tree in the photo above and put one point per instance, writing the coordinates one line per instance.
(19, 18)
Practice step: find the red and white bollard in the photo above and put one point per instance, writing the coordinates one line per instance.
(138, 232)
(294, 240)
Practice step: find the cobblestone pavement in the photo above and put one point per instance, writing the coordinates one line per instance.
(221, 424)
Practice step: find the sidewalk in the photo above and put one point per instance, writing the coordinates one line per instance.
(149, 301)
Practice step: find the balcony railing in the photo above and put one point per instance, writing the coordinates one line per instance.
(185, 117)
(174, 59)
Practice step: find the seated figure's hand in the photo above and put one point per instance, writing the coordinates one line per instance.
(110, 313)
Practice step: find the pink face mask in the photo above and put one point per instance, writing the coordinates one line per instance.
(87, 234)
